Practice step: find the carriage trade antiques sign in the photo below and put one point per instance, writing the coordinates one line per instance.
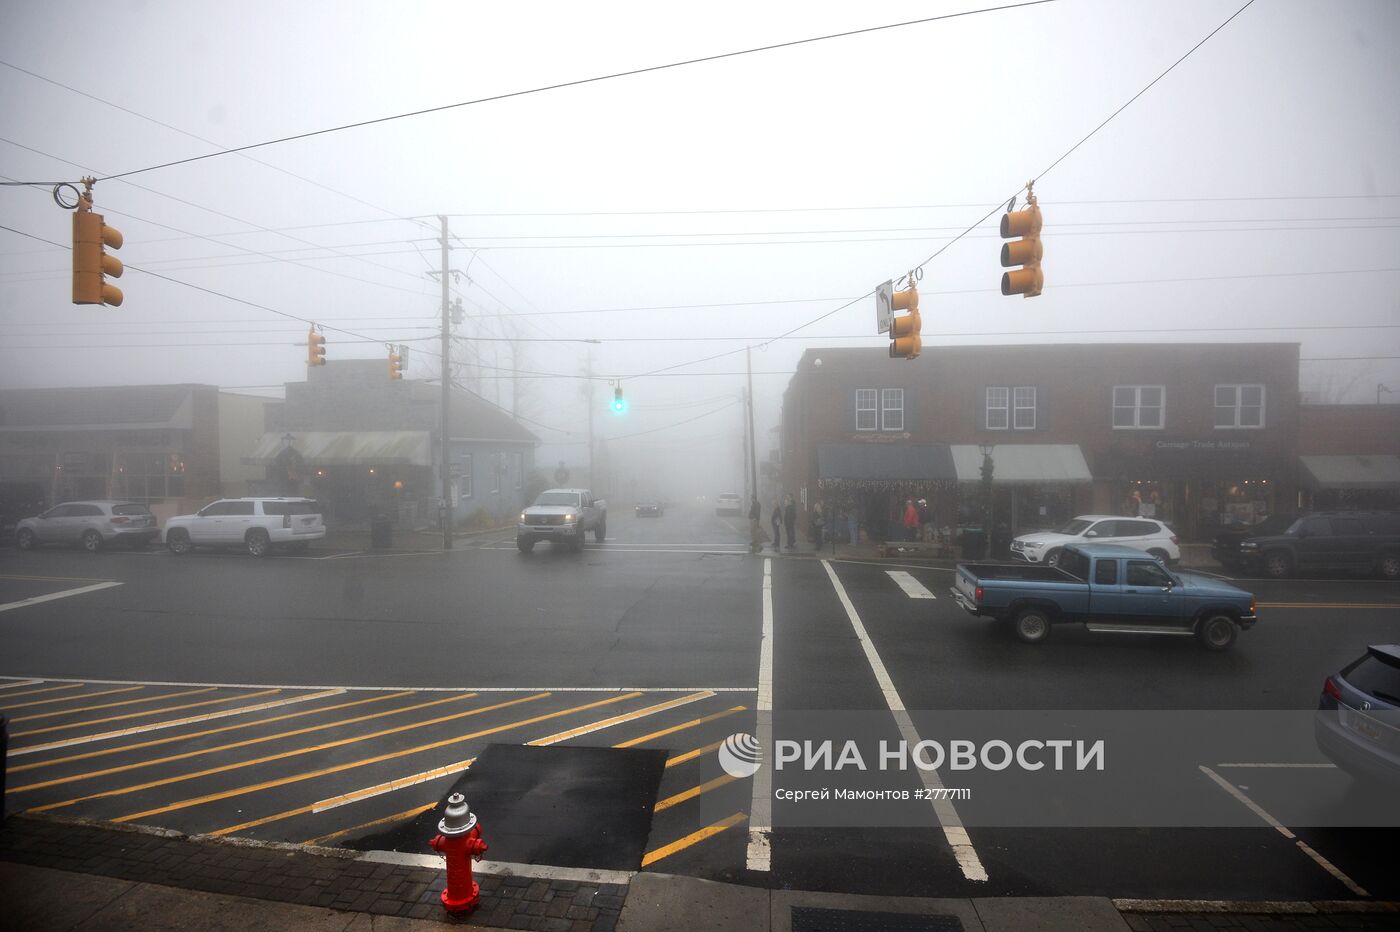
(1203, 445)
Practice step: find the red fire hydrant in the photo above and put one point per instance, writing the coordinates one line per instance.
(460, 841)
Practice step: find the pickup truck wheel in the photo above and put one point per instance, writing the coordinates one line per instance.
(1389, 566)
(600, 532)
(1032, 625)
(178, 542)
(1217, 632)
(1278, 565)
(259, 544)
(525, 545)
(1053, 558)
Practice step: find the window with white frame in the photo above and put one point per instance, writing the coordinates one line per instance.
(892, 409)
(1023, 408)
(464, 476)
(867, 409)
(1139, 407)
(998, 408)
(1239, 406)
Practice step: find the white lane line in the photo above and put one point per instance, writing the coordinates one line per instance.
(911, 586)
(1303, 846)
(19, 683)
(910, 566)
(714, 551)
(157, 726)
(66, 593)
(423, 689)
(760, 850)
(504, 868)
(953, 829)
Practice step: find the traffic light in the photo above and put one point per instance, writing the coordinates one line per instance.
(91, 264)
(1025, 252)
(619, 404)
(395, 364)
(905, 342)
(315, 348)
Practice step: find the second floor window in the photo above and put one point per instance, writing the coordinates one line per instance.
(998, 408)
(1012, 408)
(867, 409)
(1023, 408)
(1139, 406)
(892, 409)
(1239, 406)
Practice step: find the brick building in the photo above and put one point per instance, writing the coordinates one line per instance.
(1197, 434)
(1350, 456)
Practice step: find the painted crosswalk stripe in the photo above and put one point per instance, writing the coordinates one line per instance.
(911, 586)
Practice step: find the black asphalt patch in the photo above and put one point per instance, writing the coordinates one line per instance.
(561, 806)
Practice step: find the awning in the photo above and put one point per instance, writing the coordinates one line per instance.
(346, 448)
(913, 462)
(1353, 472)
(1023, 463)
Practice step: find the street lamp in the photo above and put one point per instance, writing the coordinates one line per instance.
(987, 468)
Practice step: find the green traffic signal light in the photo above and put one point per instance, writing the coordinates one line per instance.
(619, 404)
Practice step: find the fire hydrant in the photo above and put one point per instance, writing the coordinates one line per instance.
(459, 841)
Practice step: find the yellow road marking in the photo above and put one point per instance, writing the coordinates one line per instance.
(46, 689)
(681, 727)
(283, 755)
(156, 726)
(119, 718)
(693, 792)
(105, 692)
(1393, 605)
(691, 755)
(406, 814)
(619, 719)
(108, 705)
(680, 844)
(369, 760)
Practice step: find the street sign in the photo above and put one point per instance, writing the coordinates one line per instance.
(884, 306)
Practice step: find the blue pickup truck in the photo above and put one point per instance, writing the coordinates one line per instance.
(1108, 588)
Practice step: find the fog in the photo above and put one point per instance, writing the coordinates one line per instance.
(648, 228)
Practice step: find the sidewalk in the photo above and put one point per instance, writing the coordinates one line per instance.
(402, 541)
(58, 874)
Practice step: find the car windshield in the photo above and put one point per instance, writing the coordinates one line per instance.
(567, 499)
(1075, 527)
(291, 508)
(130, 509)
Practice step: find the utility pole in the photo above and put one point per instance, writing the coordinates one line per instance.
(592, 483)
(753, 449)
(744, 433)
(446, 395)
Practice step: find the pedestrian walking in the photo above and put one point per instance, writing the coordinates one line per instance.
(777, 521)
(790, 521)
(818, 523)
(911, 520)
(755, 529)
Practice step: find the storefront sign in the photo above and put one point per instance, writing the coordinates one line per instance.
(882, 437)
(1203, 444)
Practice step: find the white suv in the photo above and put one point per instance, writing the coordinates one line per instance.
(1146, 534)
(258, 524)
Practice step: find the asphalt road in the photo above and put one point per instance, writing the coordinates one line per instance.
(330, 695)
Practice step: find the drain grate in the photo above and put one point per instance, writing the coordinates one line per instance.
(814, 919)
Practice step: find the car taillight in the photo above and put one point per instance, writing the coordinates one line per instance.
(1174, 540)
(977, 594)
(287, 520)
(120, 519)
(1330, 688)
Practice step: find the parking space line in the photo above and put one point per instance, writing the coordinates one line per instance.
(680, 844)
(119, 718)
(15, 683)
(66, 593)
(953, 830)
(105, 692)
(911, 586)
(380, 789)
(283, 755)
(759, 854)
(260, 739)
(189, 720)
(675, 800)
(620, 719)
(46, 689)
(691, 755)
(108, 705)
(1303, 846)
(398, 816)
(368, 791)
(681, 727)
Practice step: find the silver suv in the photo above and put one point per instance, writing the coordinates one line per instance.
(91, 524)
(259, 524)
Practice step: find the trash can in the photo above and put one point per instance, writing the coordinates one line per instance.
(381, 533)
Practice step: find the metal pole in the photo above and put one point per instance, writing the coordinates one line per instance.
(591, 481)
(753, 450)
(446, 464)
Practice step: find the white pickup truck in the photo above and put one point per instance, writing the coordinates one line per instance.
(562, 516)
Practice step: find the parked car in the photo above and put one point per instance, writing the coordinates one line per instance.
(1146, 534)
(19, 499)
(1357, 726)
(729, 503)
(1225, 548)
(562, 516)
(1329, 540)
(259, 524)
(649, 509)
(1108, 588)
(91, 524)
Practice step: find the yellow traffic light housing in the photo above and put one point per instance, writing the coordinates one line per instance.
(395, 364)
(315, 348)
(91, 264)
(905, 342)
(1025, 252)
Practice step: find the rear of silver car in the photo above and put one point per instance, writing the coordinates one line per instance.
(129, 523)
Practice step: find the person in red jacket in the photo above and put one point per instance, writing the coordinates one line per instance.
(911, 520)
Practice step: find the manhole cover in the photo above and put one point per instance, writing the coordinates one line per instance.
(814, 919)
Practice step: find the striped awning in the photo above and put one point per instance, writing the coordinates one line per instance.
(1023, 463)
(346, 448)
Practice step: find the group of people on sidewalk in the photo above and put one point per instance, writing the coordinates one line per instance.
(918, 520)
(784, 516)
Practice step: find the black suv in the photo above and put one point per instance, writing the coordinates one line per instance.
(1329, 540)
(1226, 545)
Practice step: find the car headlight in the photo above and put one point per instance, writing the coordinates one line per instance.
(1248, 545)
(1031, 545)
(522, 517)
(568, 517)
